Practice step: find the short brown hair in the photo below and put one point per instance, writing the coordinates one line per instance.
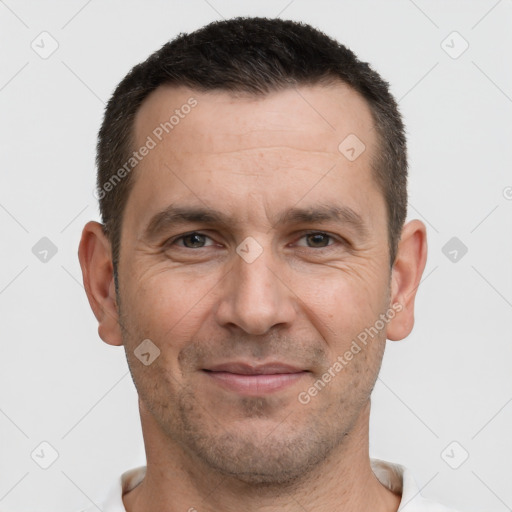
(252, 55)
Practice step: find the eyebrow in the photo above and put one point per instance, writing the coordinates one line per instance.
(325, 213)
(174, 215)
(178, 215)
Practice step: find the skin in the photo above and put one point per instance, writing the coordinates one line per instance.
(301, 301)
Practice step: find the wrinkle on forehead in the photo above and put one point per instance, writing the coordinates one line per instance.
(222, 123)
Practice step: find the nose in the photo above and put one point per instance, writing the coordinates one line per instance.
(255, 296)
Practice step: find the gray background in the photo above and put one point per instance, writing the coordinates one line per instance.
(449, 381)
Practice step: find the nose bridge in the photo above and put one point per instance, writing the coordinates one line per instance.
(255, 277)
(255, 298)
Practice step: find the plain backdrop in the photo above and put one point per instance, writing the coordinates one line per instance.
(443, 403)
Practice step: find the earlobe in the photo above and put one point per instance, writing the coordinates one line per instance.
(406, 276)
(95, 258)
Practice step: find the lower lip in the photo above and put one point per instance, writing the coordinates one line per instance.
(255, 385)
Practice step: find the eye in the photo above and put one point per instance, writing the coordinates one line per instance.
(192, 240)
(317, 239)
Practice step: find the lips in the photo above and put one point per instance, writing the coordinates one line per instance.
(248, 369)
(254, 380)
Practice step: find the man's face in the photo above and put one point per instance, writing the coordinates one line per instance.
(253, 273)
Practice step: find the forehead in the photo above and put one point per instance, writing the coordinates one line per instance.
(313, 118)
(213, 147)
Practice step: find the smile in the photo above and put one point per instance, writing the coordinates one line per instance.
(254, 380)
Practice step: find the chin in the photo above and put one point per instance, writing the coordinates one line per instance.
(268, 461)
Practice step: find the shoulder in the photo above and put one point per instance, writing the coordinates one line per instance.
(113, 500)
(400, 480)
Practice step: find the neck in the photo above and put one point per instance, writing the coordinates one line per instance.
(176, 481)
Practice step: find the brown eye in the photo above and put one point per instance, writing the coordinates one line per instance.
(192, 240)
(318, 239)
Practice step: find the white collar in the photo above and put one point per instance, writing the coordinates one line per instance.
(395, 477)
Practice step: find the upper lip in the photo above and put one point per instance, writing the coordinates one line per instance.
(254, 369)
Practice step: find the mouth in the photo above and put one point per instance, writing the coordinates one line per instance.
(254, 380)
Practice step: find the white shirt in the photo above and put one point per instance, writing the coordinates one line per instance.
(393, 476)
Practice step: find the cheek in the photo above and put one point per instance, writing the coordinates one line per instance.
(344, 299)
(168, 306)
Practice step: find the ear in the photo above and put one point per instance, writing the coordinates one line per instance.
(406, 276)
(95, 258)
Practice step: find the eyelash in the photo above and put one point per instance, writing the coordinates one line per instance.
(332, 238)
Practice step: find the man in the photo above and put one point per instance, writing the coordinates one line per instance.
(253, 260)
